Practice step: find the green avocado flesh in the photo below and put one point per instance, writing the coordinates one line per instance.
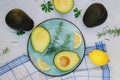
(66, 60)
(40, 39)
(63, 6)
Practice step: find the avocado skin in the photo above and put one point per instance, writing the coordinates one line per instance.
(19, 20)
(95, 15)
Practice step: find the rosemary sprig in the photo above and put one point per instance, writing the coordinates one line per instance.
(67, 40)
(63, 46)
(52, 46)
(6, 50)
(58, 32)
(47, 7)
(111, 32)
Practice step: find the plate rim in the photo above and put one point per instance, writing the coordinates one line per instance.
(79, 62)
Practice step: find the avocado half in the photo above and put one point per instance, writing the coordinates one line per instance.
(40, 38)
(63, 6)
(66, 60)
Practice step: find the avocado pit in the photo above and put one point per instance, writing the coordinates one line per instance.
(64, 61)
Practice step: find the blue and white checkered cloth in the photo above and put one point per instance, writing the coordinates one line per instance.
(22, 69)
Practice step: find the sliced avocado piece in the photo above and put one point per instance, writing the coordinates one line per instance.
(66, 60)
(19, 20)
(40, 38)
(63, 6)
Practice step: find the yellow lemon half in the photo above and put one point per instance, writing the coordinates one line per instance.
(77, 40)
(98, 57)
(42, 65)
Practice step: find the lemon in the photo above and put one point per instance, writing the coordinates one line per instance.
(77, 40)
(42, 65)
(98, 57)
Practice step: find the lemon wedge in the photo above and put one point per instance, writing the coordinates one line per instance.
(77, 40)
(98, 57)
(42, 65)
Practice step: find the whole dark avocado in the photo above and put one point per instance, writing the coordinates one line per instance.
(95, 15)
(19, 20)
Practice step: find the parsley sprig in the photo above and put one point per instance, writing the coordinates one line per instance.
(47, 7)
(76, 12)
(19, 33)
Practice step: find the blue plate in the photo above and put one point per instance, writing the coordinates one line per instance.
(67, 29)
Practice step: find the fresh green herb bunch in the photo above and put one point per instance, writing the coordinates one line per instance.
(67, 40)
(111, 32)
(20, 33)
(76, 12)
(58, 32)
(52, 45)
(6, 50)
(64, 45)
(47, 7)
(55, 49)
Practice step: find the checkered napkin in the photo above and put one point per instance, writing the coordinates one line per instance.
(22, 69)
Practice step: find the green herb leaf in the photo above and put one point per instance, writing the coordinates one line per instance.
(20, 33)
(76, 12)
(110, 32)
(56, 37)
(47, 7)
(5, 50)
(64, 45)
(67, 39)
(52, 48)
